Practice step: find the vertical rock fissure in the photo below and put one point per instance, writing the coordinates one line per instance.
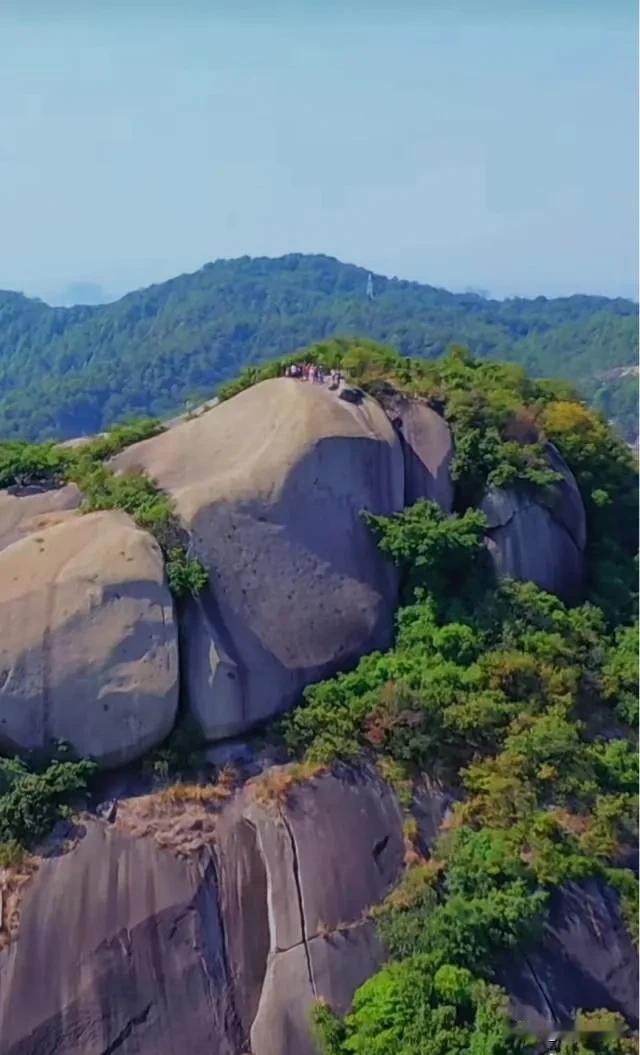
(127, 1030)
(396, 423)
(541, 988)
(303, 923)
(210, 881)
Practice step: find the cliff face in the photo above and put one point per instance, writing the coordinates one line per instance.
(219, 946)
(540, 538)
(585, 958)
(172, 930)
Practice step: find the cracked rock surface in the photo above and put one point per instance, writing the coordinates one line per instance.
(123, 947)
(427, 447)
(126, 947)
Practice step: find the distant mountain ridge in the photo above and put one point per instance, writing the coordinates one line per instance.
(69, 371)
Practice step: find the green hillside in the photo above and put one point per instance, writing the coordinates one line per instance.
(69, 371)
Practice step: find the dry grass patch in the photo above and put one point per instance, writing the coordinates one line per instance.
(14, 876)
(193, 794)
(395, 774)
(326, 932)
(411, 833)
(411, 887)
(275, 785)
(181, 817)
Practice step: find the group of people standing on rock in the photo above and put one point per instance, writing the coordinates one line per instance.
(314, 373)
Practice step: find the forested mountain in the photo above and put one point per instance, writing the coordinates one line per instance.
(69, 371)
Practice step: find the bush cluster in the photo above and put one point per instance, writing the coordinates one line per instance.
(517, 700)
(31, 801)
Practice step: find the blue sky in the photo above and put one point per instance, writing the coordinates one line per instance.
(474, 143)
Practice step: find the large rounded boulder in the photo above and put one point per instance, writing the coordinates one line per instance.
(271, 487)
(88, 644)
(540, 536)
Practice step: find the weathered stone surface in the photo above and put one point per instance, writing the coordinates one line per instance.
(338, 819)
(216, 954)
(540, 537)
(243, 893)
(341, 837)
(271, 485)
(88, 649)
(120, 949)
(585, 959)
(427, 447)
(331, 967)
(26, 510)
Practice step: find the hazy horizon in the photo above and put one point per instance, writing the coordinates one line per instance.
(76, 294)
(488, 146)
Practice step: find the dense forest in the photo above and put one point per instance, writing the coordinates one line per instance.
(71, 371)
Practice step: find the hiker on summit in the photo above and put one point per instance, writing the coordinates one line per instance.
(313, 372)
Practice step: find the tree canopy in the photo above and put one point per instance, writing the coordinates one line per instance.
(72, 371)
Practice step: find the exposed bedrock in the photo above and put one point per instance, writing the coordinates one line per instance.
(124, 947)
(220, 942)
(540, 537)
(271, 487)
(427, 447)
(584, 959)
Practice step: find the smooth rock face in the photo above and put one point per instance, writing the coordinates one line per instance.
(427, 447)
(120, 948)
(270, 486)
(26, 510)
(219, 954)
(88, 649)
(539, 538)
(585, 959)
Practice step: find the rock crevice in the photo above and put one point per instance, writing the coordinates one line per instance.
(298, 887)
(127, 1030)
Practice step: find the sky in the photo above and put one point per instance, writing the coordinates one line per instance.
(484, 144)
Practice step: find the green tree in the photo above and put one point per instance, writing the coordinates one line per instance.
(420, 1007)
(32, 802)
